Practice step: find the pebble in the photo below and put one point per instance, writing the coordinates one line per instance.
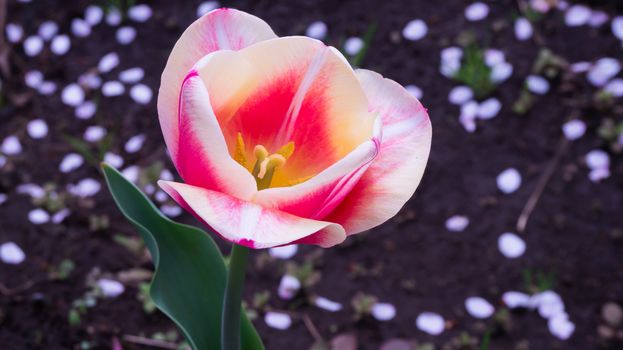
(112, 88)
(489, 108)
(110, 288)
(37, 128)
(135, 143)
(537, 84)
(353, 45)
(132, 75)
(140, 13)
(125, 35)
(415, 30)
(11, 253)
(415, 91)
(317, 30)
(327, 304)
(477, 11)
(115, 160)
(80, 28)
(511, 245)
(206, 7)
(523, 29)
(383, 311)
(617, 27)
(509, 180)
(47, 30)
(577, 15)
(93, 15)
(171, 210)
(11, 146)
(460, 95)
(141, 94)
(431, 323)
(561, 327)
(72, 95)
(71, 162)
(15, 32)
(514, 299)
(84, 188)
(478, 307)
(457, 223)
(38, 216)
(550, 304)
(288, 287)
(597, 159)
(108, 62)
(574, 129)
(278, 320)
(603, 70)
(60, 44)
(33, 45)
(86, 110)
(284, 252)
(94, 133)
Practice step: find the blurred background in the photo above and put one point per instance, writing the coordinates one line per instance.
(514, 239)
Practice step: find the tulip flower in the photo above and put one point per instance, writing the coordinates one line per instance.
(279, 140)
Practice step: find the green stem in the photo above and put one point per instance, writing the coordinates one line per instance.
(230, 322)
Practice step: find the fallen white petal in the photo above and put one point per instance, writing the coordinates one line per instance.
(523, 29)
(477, 11)
(93, 15)
(37, 128)
(478, 307)
(383, 311)
(574, 129)
(135, 143)
(33, 45)
(112, 88)
(577, 15)
(84, 188)
(80, 28)
(38, 216)
(94, 133)
(110, 288)
(596, 159)
(288, 287)
(71, 162)
(60, 44)
(511, 245)
(537, 84)
(415, 30)
(460, 95)
(140, 13)
(141, 94)
(277, 320)
(125, 35)
(206, 7)
(353, 45)
(47, 30)
(327, 304)
(509, 180)
(317, 30)
(489, 108)
(431, 323)
(11, 146)
(11, 253)
(514, 299)
(108, 62)
(132, 75)
(285, 252)
(72, 95)
(457, 223)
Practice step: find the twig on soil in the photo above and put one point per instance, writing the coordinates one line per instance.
(533, 200)
(6, 291)
(4, 49)
(311, 328)
(135, 339)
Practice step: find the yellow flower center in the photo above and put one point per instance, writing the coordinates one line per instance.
(265, 163)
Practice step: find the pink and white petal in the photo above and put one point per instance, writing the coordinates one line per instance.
(396, 172)
(203, 159)
(250, 224)
(318, 196)
(299, 90)
(222, 29)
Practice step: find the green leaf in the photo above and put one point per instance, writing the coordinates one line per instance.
(190, 274)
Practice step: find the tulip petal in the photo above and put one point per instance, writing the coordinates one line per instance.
(396, 172)
(250, 224)
(292, 89)
(318, 196)
(203, 159)
(222, 29)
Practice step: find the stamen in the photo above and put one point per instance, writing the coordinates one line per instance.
(287, 150)
(271, 163)
(240, 154)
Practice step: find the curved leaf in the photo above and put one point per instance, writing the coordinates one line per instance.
(190, 274)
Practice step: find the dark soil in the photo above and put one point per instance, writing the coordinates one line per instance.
(575, 232)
